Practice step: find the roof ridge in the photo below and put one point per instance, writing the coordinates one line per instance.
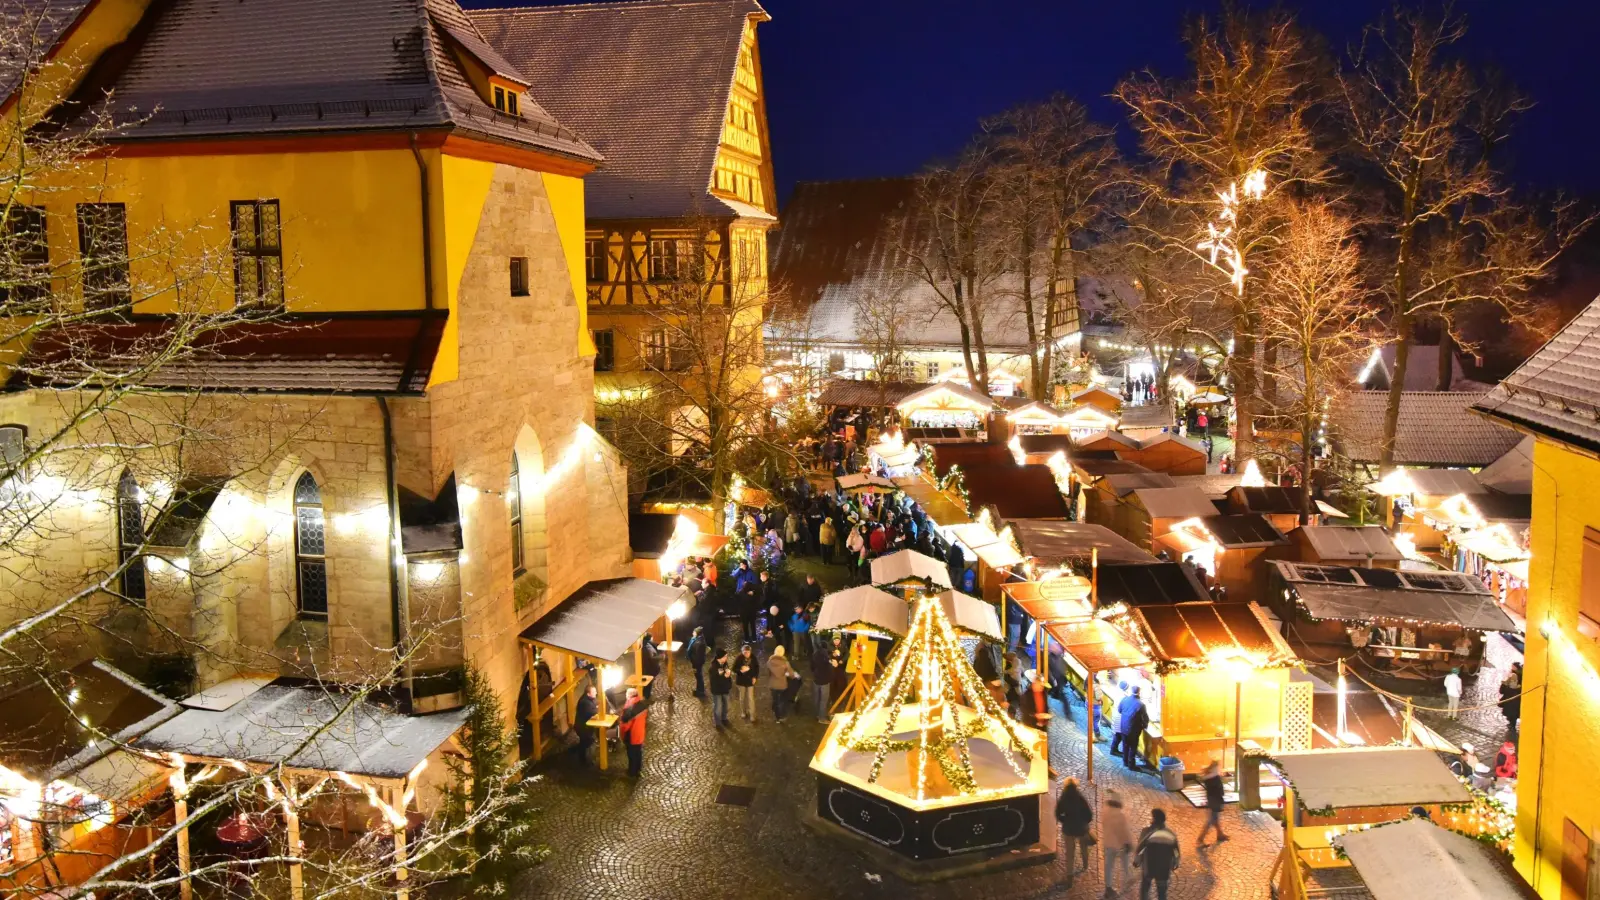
(605, 4)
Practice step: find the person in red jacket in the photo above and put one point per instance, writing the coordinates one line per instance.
(631, 730)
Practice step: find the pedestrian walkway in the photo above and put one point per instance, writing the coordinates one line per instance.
(666, 835)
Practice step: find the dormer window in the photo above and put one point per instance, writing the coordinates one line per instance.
(505, 97)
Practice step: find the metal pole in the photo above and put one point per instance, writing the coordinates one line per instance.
(1094, 577)
(1342, 700)
(1088, 697)
(1238, 696)
(669, 659)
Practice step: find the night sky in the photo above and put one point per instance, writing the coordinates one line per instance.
(868, 88)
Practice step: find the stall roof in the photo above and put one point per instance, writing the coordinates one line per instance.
(909, 565)
(1362, 595)
(1243, 531)
(1048, 443)
(602, 619)
(1112, 440)
(863, 605)
(1027, 492)
(1093, 469)
(1154, 583)
(1041, 601)
(42, 733)
(970, 614)
(874, 394)
(1417, 860)
(1175, 503)
(1444, 482)
(863, 481)
(1152, 415)
(970, 454)
(1268, 499)
(1351, 542)
(1197, 632)
(982, 540)
(1096, 644)
(940, 508)
(1055, 541)
(1355, 777)
(1123, 484)
(946, 395)
(315, 728)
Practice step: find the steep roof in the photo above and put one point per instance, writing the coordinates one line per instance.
(648, 82)
(1422, 370)
(1436, 428)
(1556, 393)
(1351, 542)
(225, 68)
(1175, 503)
(842, 247)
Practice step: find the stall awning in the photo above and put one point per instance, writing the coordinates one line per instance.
(939, 507)
(1149, 584)
(312, 728)
(877, 610)
(909, 565)
(1054, 542)
(982, 540)
(968, 613)
(1197, 633)
(1052, 600)
(1353, 594)
(1096, 644)
(602, 619)
(1417, 860)
(1355, 777)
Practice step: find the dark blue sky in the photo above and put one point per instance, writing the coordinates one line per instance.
(866, 88)
(863, 88)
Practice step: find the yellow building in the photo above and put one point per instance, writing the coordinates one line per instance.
(405, 435)
(671, 94)
(1555, 396)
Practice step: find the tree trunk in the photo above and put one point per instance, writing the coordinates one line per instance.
(966, 338)
(1397, 386)
(1447, 357)
(1244, 391)
(978, 346)
(1035, 382)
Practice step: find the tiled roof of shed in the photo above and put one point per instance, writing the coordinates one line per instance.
(849, 392)
(647, 83)
(1436, 428)
(1556, 393)
(224, 68)
(300, 354)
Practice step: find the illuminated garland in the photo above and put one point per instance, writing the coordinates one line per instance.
(956, 479)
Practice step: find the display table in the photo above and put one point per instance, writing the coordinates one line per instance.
(603, 724)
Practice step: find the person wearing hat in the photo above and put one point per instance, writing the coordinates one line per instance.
(1452, 693)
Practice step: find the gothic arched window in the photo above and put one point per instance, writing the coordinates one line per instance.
(310, 549)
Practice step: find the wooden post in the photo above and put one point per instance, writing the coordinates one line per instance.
(1409, 713)
(1041, 654)
(401, 876)
(668, 617)
(533, 696)
(291, 818)
(180, 809)
(1094, 577)
(1088, 702)
(600, 694)
(638, 663)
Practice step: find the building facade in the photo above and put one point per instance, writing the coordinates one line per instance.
(1553, 397)
(399, 449)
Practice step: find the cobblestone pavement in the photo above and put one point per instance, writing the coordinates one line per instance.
(664, 835)
(1485, 727)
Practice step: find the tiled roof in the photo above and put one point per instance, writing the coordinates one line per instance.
(1436, 428)
(226, 68)
(300, 354)
(647, 83)
(843, 244)
(1556, 393)
(1351, 542)
(1240, 530)
(849, 392)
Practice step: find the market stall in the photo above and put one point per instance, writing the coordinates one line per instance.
(1034, 417)
(1084, 419)
(1417, 860)
(1407, 624)
(1229, 549)
(662, 543)
(946, 405)
(892, 456)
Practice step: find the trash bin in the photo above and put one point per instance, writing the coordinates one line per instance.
(1172, 773)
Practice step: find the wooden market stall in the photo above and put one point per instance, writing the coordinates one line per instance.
(942, 507)
(1034, 417)
(1409, 624)
(598, 624)
(1218, 676)
(1169, 453)
(1280, 505)
(1142, 423)
(1114, 441)
(660, 542)
(946, 405)
(1098, 397)
(1346, 545)
(1084, 419)
(1150, 512)
(996, 552)
(72, 801)
(1229, 549)
(305, 739)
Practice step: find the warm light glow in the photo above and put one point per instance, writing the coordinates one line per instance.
(1407, 545)
(685, 532)
(1252, 476)
(610, 677)
(677, 610)
(1394, 484)
(1017, 453)
(428, 571)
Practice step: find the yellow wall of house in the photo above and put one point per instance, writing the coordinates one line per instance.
(1560, 736)
(350, 223)
(566, 202)
(464, 183)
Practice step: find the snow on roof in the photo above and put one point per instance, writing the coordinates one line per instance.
(1175, 503)
(1351, 542)
(909, 565)
(1512, 473)
(1380, 776)
(307, 728)
(1417, 860)
(863, 605)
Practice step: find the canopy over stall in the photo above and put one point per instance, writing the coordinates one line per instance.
(1417, 860)
(598, 622)
(1355, 777)
(872, 609)
(946, 403)
(1147, 584)
(310, 734)
(995, 550)
(904, 566)
(1193, 635)
(1351, 594)
(862, 483)
(939, 506)
(1053, 599)
(1055, 542)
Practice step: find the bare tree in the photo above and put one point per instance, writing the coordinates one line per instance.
(1445, 232)
(1243, 128)
(1056, 170)
(1318, 315)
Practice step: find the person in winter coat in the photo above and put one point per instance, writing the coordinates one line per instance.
(878, 541)
(1116, 838)
(1131, 721)
(697, 658)
(652, 663)
(1505, 763)
(588, 708)
(1212, 782)
(631, 730)
(745, 672)
(1074, 815)
(1157, 855)
(779, 672)
(827, 536)
(791, 534)
(721, 687)
(1511, 696)
(800, 633)
(824, 666)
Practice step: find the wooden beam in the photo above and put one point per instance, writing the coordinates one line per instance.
(180, 810)
(291, 817)
(401, 876)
